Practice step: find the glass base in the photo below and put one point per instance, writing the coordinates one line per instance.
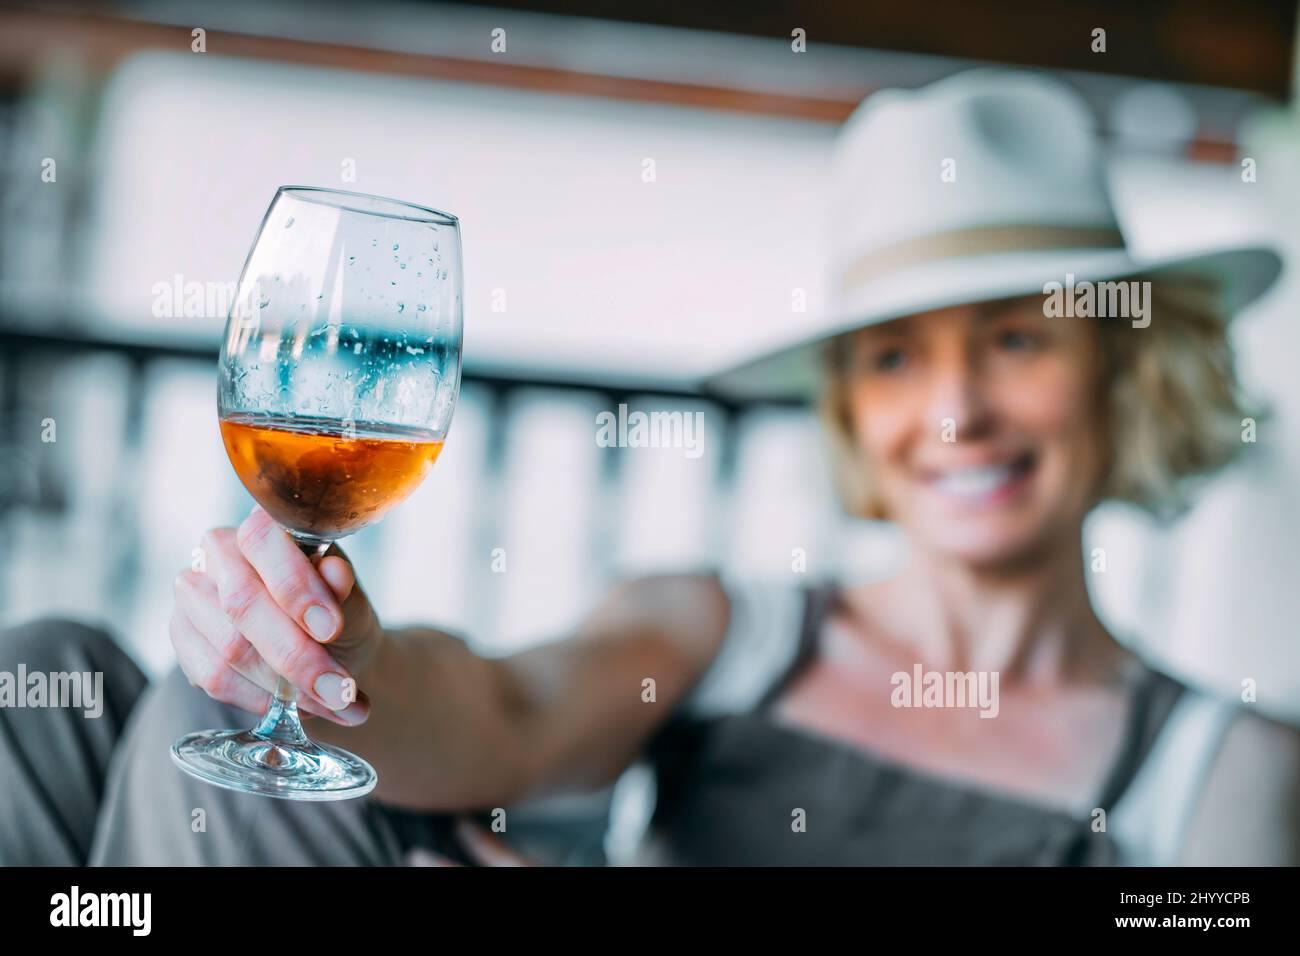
(249, 762)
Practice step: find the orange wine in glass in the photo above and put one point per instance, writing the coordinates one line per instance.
(338, 376)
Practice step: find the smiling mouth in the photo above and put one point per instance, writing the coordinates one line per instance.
(984, 484)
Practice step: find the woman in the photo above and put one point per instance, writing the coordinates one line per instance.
(971, 709)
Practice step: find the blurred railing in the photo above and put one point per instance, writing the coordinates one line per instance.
(113, 467)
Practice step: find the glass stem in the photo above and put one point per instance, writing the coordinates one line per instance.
(281, 723)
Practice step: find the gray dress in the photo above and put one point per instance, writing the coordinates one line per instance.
(728, 780)
(726, 777)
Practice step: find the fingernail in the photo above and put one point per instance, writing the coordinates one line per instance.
(320, 622)
(329, 688)
(352, 715)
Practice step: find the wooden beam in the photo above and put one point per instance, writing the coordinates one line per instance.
(101, 42)
(1242, 44)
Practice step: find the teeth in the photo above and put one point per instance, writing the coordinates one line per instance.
(974, 482)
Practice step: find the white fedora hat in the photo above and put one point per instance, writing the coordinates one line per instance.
(985, 185)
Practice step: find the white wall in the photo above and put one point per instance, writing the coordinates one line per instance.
(601, 270)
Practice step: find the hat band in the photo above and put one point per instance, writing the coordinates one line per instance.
(975, 241)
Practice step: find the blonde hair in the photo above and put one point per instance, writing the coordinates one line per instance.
(1172, 404)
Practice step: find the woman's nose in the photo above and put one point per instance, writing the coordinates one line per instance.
(957, 397)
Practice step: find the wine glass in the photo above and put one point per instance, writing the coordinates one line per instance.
(337, 381)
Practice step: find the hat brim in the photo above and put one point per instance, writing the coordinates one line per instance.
(788, 369)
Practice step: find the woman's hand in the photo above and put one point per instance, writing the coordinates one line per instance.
(484, 847)
(260, 610)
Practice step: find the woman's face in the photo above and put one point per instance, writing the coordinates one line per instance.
(979, 425)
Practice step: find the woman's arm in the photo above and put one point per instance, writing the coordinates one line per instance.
(449, 729)
(1248, 811)
(445, 728)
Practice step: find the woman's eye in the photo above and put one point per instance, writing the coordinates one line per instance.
(887, 360)
(1015, 340)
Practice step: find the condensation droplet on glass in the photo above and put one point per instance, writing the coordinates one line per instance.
(288, 222)
(421, 307)
(395, 247)
(401, 307)
(402, 266)
(352, 260)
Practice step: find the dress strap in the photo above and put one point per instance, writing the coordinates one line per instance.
(1154, 697)
(816, 602)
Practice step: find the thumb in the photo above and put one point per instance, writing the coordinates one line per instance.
(337, 571)
(362, 622)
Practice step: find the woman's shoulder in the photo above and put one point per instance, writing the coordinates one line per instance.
(732, 634)
(686, 611)
(760, 641)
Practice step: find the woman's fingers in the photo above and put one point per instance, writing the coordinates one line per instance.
(197, 598)
(201, 664)
(289, 576)
(208, 672)
(290, 650)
